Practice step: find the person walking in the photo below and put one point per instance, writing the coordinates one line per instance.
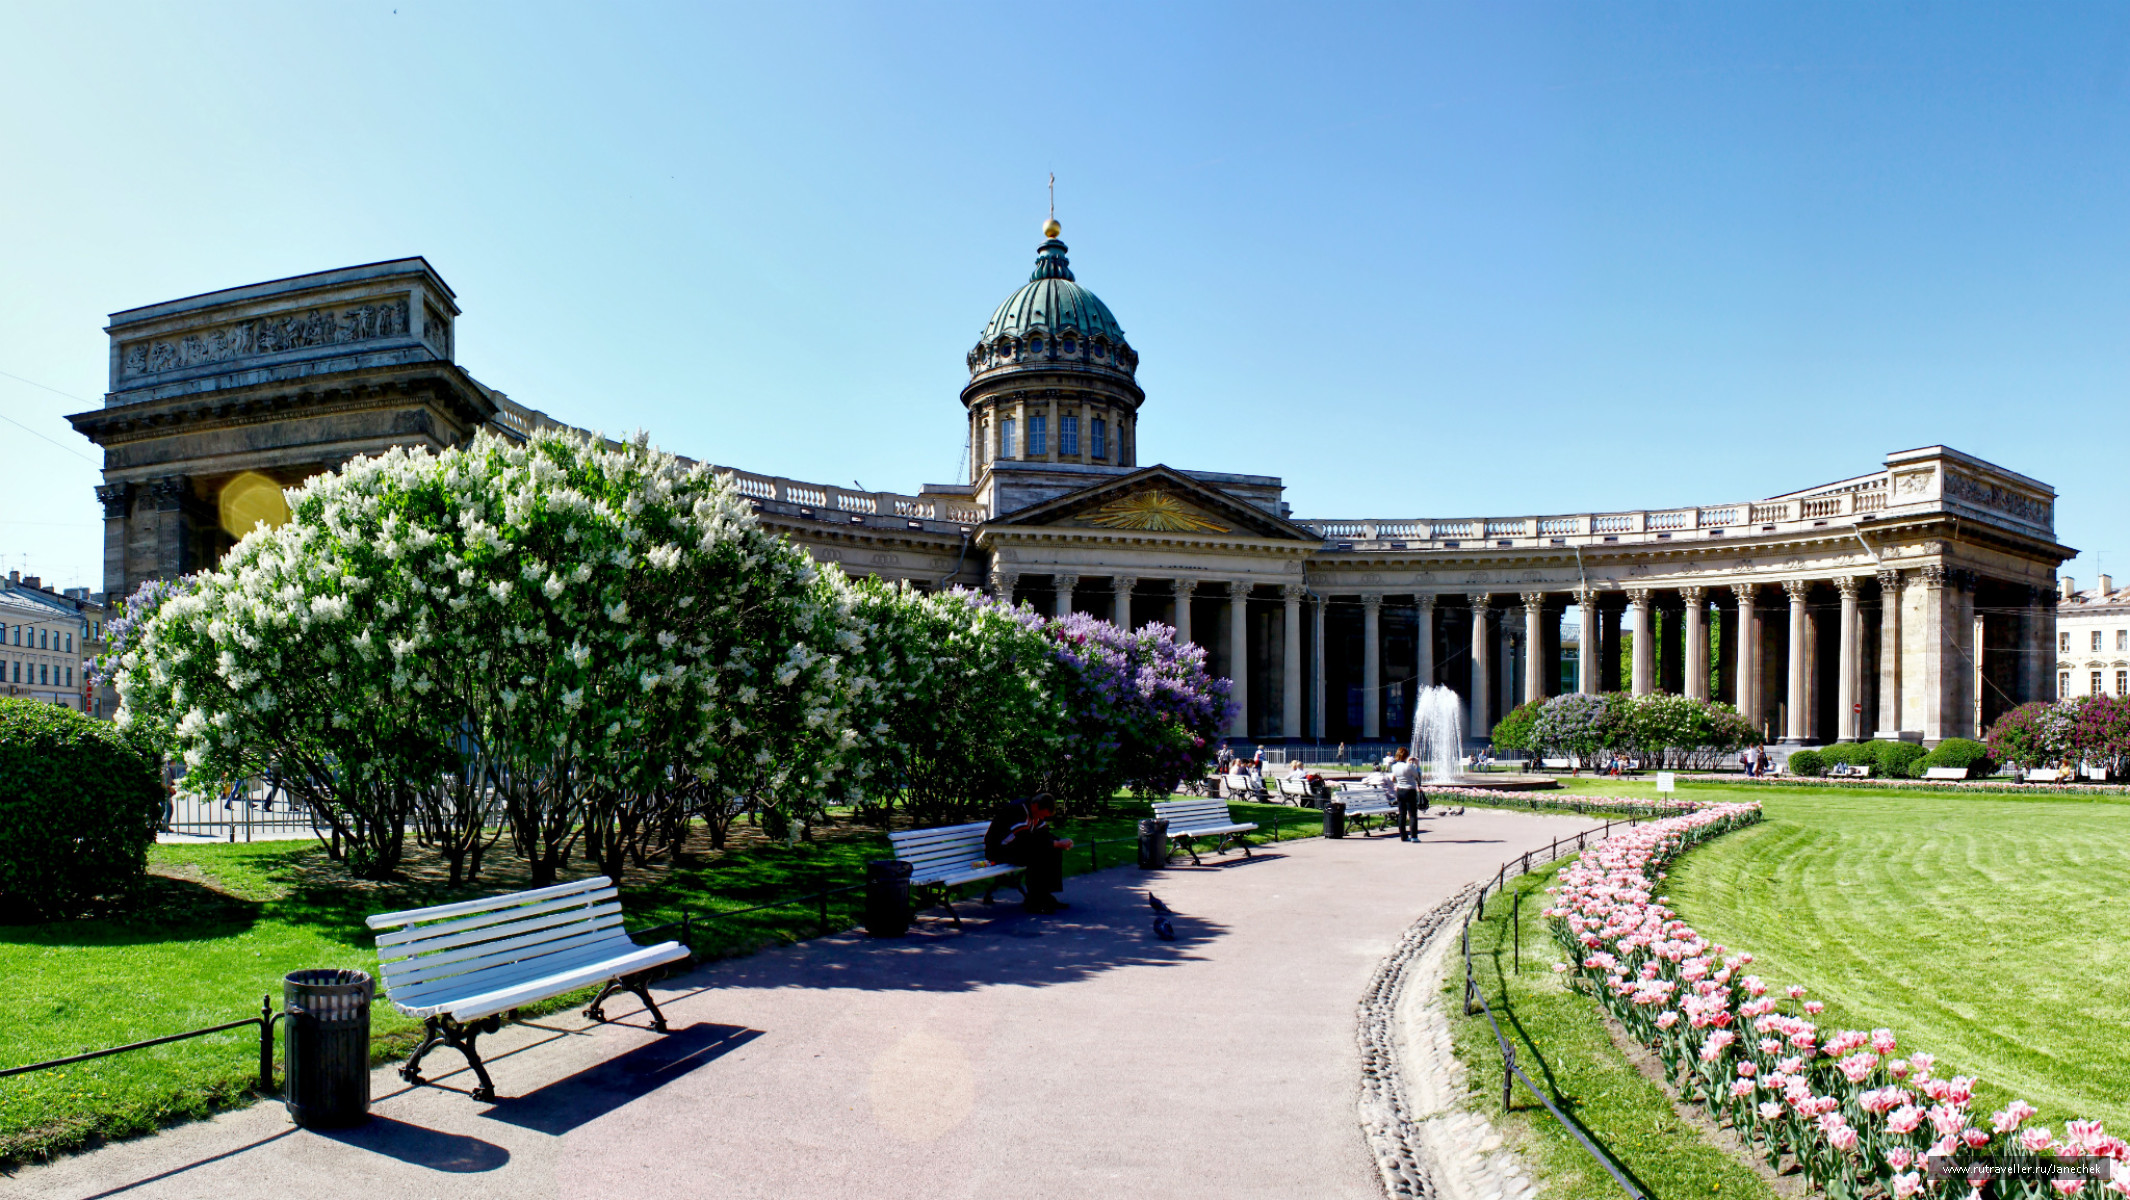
(1405, 786)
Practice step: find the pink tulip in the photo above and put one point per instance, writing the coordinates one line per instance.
(1975, 1138)
(1882, 1041)
(2011, 1116)
(1962, 1090)
(1905, 1119)
(1769, 1110)
(1814, 1007)
(1922, 1063)
(1748, 1068)
(1667, 1019)
(1796, 992)
(1907, 1185)
(1858, 1067)
(1843, 1138)
(1899, 1157)
(2035, 1139)
(1741, 1088)
(1898, 1068)
(2066, 1187)
(1947, 1120)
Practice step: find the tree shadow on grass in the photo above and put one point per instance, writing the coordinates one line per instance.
(163, 909)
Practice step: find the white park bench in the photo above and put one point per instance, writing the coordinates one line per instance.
(949, 856)
(1296, 791)
(1240, 787)
(1192, 819)
(1945, 773)
(1364, 800)
(459, 967)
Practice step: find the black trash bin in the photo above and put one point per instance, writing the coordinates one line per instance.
(1334, 818)
(1153, 843)
(887, 897)
(325, 1046)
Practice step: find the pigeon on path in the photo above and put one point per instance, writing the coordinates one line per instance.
(1162, 929)
(1154, 902)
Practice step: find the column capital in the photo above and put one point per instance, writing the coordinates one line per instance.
(1123, 583)
(1184, 588)
(1534, 600)
(1425, 601)
(1638, 596)
(114, 497)
(1694, 596)
(1479, 600)
(1065, 583)
(1293, 591)
(1849, 586)
(1964, 579)
(1239, 589)
(1889, 578)
(1797, 589)
(1371, 599)
(168, 492)
(1002, 583)
(1586, 597)
(1746, 592)
(1933, 576)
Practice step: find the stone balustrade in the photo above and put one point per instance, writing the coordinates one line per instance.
(1570, 529)
(821, 497)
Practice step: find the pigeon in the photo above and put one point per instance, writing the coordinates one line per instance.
(1163, 930)
(1154, 902)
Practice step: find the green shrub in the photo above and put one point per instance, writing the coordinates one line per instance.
(1808, 762)
(1965, 753)
(1897, 760)
(1513, 732)
(79, 807)
(1854, 754)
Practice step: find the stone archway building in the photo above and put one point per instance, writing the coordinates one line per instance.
(1917, 599)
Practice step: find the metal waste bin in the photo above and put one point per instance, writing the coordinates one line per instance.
(1334, 818)
(325, 1047)
(1153, 843)
(887, 897)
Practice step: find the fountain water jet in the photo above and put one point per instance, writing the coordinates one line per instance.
(1438, 734)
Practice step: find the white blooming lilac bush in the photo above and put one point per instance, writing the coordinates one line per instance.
(583, 637)
(1859, 1119)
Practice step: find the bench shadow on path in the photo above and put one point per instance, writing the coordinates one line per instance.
(561, 1106)
(415, 1145)
(1109, 926)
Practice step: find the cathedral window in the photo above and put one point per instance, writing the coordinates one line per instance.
(1038, 435)
(1005, 438)
(1097, 433)
(1069, 436)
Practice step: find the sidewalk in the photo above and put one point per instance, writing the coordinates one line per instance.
(1070, 1056)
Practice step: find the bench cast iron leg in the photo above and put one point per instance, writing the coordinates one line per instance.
(638, 983)
(1190, 847)
(443, 1031)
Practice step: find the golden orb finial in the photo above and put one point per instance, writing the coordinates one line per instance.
(1051, 227)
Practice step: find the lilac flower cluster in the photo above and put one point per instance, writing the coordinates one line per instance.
(1141, 709)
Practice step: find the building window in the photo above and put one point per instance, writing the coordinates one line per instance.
(2096, 641)
(2122, 683)
(2096, 684)
(1005, 438)
(70, 643)
(2122, 639)
(1038, 435)
(44, 676)
(70, 677)
(1097, 433)
(2063, 643)
(1069, 437)
(2063, 685)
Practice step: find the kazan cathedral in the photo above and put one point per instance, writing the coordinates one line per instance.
(1914, 600)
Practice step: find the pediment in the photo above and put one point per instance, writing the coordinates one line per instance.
(1157, 499)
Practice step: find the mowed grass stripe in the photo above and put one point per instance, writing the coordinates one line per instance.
(1986, 931)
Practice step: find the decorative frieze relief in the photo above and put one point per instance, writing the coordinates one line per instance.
(268, 335)
(1983, 494)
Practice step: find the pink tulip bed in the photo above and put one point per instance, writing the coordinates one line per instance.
(1570, 802)
(1858, 1118)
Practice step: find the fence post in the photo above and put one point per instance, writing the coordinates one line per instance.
(1508, 1076)
(266, 1042)
(687, 931)
(1516, 914)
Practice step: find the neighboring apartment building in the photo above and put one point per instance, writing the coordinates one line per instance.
(47, 640)
(2092, 640)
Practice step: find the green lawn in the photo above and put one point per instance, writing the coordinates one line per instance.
(1987, 931)
(1561, 1043)
(221, 924)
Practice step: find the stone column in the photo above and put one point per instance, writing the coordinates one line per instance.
(2037, 644)
(1423, 646)
(1671, 649)
(1695, 649)
(1316, 653)
(1372, 666)
(1122, 617)
(117, 499)
(1645, 641)
(1184, 589)
(168, 495)
(1748, 635)
(1065, 584)
(1587, 643)
(1890, 652)
(1798, 699)
(1239, 656)
(1847, 721)
(1291, 664)
(1534, 646)
(1481, 699)
(1002, 584)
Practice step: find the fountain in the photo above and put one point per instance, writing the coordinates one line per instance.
(1438, 734)
(1438, 742)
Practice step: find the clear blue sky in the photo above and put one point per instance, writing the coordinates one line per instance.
(1417, 259)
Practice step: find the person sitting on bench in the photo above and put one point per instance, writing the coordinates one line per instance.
(1020, 834)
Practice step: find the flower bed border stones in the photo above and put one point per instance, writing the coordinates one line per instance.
(1857, 1119)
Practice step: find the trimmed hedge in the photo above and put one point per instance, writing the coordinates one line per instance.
(1887, 760)
(1965, 753)
(79, 807)
(1807, 762)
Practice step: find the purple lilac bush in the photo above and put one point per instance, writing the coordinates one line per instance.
(1141, 710)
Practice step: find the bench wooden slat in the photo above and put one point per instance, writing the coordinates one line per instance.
(407, 971)
(488, 933)
(512, 900)
(476, 1006)
(510, 974)
(494, 916)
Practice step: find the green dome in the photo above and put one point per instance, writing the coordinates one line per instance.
(1052, 317)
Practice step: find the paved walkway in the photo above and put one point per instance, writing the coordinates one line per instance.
(1070, 1056)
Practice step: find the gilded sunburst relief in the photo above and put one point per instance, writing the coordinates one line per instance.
(1154, 511)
